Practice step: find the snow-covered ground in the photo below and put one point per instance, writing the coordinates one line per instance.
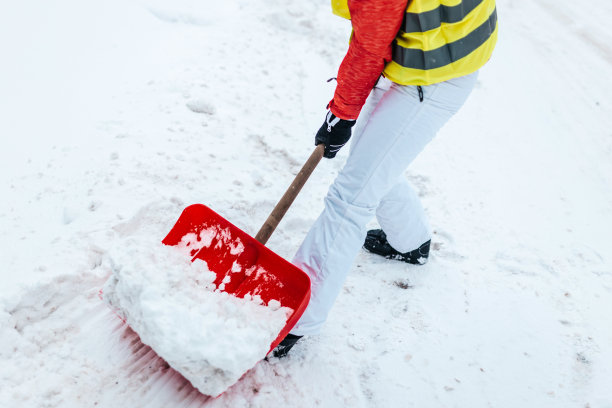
(115, 115)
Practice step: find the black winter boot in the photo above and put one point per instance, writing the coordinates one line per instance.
(376, 242)
(283, 348)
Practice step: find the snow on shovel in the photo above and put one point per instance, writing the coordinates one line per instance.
(211, 300)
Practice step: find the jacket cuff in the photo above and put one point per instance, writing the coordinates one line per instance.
(342, 112)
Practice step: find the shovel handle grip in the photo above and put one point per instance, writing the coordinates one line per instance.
(285, 202)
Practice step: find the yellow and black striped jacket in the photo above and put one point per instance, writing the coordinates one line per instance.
(439, 39)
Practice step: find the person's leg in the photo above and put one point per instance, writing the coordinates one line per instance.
(400, 213)
(398, 129)
(402, 217)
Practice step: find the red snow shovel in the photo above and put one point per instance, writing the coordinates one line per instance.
(243, 265)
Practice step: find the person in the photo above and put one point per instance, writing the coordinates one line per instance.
(415, 62)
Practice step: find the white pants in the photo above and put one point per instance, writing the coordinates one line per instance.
(392, 129)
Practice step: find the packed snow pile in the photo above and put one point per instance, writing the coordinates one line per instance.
(211, 337)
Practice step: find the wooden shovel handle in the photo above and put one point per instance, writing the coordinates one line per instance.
(285, 202)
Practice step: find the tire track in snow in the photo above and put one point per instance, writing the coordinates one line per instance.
(102, 360)
(569, 22)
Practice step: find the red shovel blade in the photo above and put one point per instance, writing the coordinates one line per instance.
(242, 264)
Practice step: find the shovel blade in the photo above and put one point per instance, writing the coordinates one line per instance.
(242, 265)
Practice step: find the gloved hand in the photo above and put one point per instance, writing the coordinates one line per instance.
(334, 134)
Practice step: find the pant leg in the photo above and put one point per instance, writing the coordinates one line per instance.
(402, 217)
(398, 129)
(400, 212)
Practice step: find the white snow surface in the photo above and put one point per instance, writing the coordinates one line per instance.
(116, 115)
(176, 309)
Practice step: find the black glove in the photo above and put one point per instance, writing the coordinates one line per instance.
(334, 134)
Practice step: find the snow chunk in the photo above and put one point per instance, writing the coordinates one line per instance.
(201, 106)
(195, 242)
(274, 304)
(211, 337)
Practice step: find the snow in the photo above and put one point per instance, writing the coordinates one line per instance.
(114, 116)
(176, 309)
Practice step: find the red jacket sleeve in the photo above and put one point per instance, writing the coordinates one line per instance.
(375, 26)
